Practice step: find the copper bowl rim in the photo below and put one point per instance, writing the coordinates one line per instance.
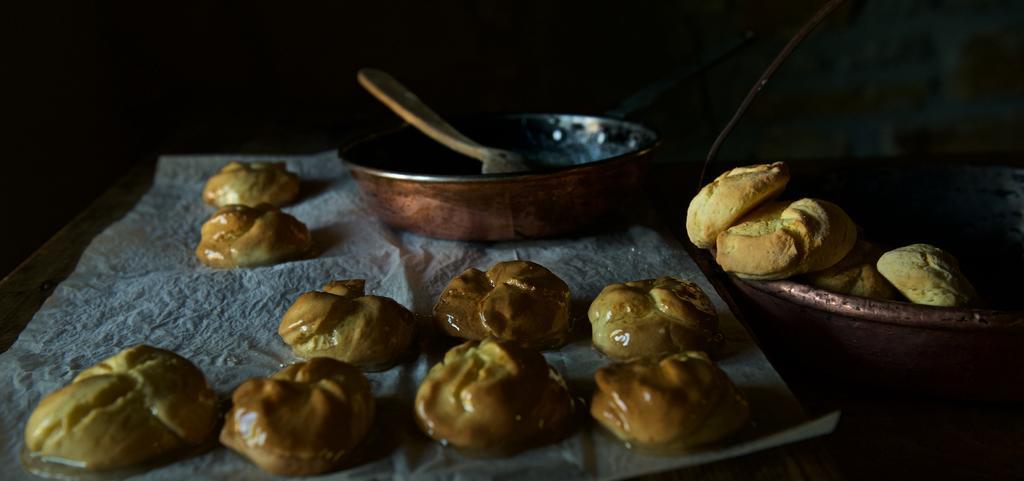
(639, 152)
(889, 312)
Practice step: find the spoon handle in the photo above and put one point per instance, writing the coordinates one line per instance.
(408, 106)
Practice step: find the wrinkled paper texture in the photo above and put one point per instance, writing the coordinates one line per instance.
(139, 282)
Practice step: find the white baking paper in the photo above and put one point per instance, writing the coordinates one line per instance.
(139, 282)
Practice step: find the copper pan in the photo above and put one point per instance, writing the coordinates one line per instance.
(587, 168)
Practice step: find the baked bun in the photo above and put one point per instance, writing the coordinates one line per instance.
(252, 184)
(494, 397)
(371, 332)
(682, 401)
(142, 405)
(241, 236)
(779, 240)
(301, 421)
(928, 275)
(856, 275)
(516, 301)
(653, 318)
(721, 203)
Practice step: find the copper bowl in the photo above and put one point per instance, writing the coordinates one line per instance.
(964, 353)
(587, 168)
(973, 211)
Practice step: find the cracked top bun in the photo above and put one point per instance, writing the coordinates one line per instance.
(137, 406)
(732, 195)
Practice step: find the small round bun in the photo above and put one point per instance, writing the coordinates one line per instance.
(140, 405)
(241, 236)
(927, 275)
(252, 184)
(856, 275)
(371, 332)
(680, 402)
(721, 203)
(301, 421)
(653, 318)
(516, 301)
(494, 397)
(781, 240)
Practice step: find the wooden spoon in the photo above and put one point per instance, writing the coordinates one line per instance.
(405, 103)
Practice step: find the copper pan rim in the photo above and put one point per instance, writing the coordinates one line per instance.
(640, 151)
(888, 312)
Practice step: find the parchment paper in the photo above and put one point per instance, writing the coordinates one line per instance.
(139, 282)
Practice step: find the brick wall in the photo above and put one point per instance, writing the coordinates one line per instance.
(881, 77)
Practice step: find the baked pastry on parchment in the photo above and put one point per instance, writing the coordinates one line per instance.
(252, 184)
(241, 236)
(494, 397)
(343, 323)
(725, 200)
(303, 420)
(516, 301)
(679, 402)
(779, 240)
(928, 275)
(653, 318)
(139, 406)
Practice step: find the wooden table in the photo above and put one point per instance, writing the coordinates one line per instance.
(882, 435)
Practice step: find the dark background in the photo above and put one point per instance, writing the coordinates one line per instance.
(96, 87)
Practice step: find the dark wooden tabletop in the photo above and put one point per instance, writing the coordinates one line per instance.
(882, 434)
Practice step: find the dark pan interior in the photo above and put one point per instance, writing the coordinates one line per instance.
(549, 141)
(974, 212)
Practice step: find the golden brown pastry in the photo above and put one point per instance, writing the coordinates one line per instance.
(241, 236)
(928, 275)
(680, 402)
(252, 184)
(494, 397)
(856, 275)
(371, 332)
(141, 405)
(516, 300)
(653, 318)
(779, 240)
(721, 203)
(303, 420)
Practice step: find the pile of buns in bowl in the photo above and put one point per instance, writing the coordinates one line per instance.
(753, 235)
(493, 394)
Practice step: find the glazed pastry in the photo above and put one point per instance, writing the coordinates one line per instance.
(733, 194)
(653, 318)
(371, 332)
(856, 275)
(494, 397)
(928, 275)
(677, 403)
(303, 420)
(141, 405)
(516, 300)
(779, 240)
(240, 236)
(252, 184)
